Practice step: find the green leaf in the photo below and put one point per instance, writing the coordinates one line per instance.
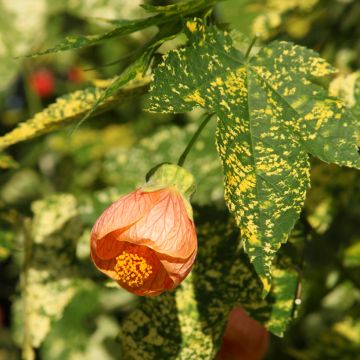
(69, 108)
(22, 186)
(72, 333)
(51, 216)
(347, 88)
(352, 255)
(7, 162)
(185, 7)
(189, 323)
(48, 278)
(271, 115)
(126, 27)
(136, 69)
(88, 325)
(6, 243)
(339, 340)
(356, 107)
(281, 300)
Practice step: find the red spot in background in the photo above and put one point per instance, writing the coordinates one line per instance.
(76, 75)
(42, 81)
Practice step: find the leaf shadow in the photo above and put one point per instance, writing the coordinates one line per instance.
(223, 276)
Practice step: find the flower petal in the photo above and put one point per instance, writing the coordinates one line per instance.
(124, 212)
(156, 285)
(166, 227)
(244, 337)
(108, 247)
(177, 269)
(105, 266)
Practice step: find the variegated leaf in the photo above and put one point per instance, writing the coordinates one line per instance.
(271, 115)
(71, 107)
(48, 279)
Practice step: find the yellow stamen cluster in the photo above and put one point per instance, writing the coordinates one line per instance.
(132, 269)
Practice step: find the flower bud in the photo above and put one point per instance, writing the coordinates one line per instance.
(146, 240)
(244, 338)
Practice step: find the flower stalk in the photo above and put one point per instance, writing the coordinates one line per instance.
(183, 156)
(253, 41)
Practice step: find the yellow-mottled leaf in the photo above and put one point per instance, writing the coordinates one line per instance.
(48, 278)
(69, 108)
(347, 87)
(271, 114)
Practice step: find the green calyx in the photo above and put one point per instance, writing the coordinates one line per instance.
(176, 177)
(170, 175)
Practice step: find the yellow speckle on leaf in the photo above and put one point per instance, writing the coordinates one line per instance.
(225, 105)
(266, 284)
(254, 240)
(68, 108)
(343, 87)
(248, 183)
(154, 338)
(195, 96)
(320, 67)
(191, 25)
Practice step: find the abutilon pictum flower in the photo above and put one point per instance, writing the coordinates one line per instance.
(244, 338)
(146, 240)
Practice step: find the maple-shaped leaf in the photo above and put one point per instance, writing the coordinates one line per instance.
(271, 114)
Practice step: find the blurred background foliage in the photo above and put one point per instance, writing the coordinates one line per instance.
(52, 188)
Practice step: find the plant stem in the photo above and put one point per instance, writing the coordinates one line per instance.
(253, 41)
(298, 291)
(183, 156)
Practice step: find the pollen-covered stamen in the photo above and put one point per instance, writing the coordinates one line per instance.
(132, 269)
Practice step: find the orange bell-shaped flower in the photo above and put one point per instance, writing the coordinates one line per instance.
(146, 240)
(244, 338)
